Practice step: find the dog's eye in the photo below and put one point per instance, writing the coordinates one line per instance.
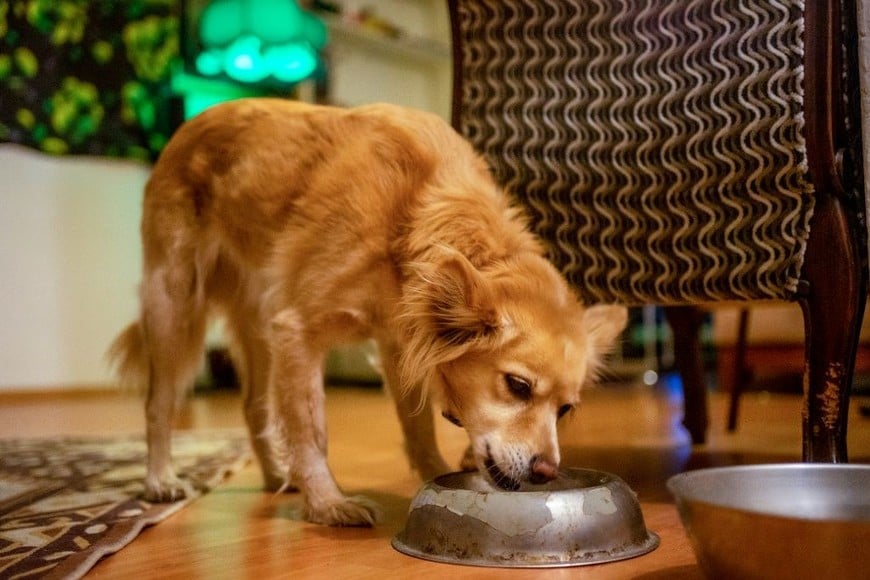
(521, 388)
(564, 410)
(451, 418)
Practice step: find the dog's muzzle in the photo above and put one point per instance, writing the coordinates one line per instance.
(498, 477)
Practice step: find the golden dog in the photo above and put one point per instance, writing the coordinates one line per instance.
(308, 226)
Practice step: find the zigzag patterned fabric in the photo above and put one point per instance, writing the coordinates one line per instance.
(658, 146)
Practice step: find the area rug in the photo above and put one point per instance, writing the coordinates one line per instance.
(66, 503)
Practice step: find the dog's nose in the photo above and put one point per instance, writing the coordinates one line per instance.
(542, 470)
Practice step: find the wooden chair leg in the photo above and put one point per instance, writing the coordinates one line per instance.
(741, 371)
(833, 308)
(685, 321)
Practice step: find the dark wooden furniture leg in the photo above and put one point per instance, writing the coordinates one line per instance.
(685, 322)
(834, 290)
(741, 371)
(833, 306)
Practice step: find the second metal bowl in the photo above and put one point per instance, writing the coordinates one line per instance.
(778, 521)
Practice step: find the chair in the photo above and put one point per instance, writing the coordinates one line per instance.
(684, 153)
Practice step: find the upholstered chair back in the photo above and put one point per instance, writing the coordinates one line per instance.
(659, 147)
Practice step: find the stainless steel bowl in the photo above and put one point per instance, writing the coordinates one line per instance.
(778, 521)
(582, 517)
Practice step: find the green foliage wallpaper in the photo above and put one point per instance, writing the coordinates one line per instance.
(89, 77)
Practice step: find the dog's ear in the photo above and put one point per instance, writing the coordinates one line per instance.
(462, 307)
(449, 306)
(604, 323)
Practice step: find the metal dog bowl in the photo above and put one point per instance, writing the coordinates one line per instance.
(582, 517)
(778, 521)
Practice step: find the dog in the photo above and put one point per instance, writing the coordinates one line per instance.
(308, 226)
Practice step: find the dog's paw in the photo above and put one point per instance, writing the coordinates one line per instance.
(167, 489)
(349, 511)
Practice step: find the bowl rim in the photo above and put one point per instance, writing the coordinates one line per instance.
(676, 485)
(528, 490)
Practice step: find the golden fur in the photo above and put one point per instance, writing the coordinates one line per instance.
(310, 226)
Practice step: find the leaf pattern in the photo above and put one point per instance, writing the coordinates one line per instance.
(88, 77)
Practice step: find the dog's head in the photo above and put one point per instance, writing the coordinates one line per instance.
(506, 352)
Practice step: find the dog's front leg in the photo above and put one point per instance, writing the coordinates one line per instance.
(297, 383)
(415, 416)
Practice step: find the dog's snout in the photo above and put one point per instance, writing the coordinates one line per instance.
(542, 470)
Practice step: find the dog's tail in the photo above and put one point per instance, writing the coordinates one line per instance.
(128, 356)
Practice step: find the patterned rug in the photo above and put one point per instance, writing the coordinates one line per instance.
(66, 503)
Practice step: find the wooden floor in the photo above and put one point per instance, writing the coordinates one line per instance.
(237, 531)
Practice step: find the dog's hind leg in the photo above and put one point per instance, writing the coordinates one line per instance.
(250, 351)
(415, 416)
(173, 321)
(297, 385)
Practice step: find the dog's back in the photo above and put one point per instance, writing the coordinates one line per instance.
(262, 190)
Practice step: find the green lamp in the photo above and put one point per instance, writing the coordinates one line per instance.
(257, 41)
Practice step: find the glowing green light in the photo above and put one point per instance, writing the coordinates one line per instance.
(252, 40)
(244, 62)
(291, 63)
(200, 94)
(276, 20)
(220, 23)
(210, 62)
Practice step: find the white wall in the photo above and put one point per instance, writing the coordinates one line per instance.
(69, 265)
(368, 72)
